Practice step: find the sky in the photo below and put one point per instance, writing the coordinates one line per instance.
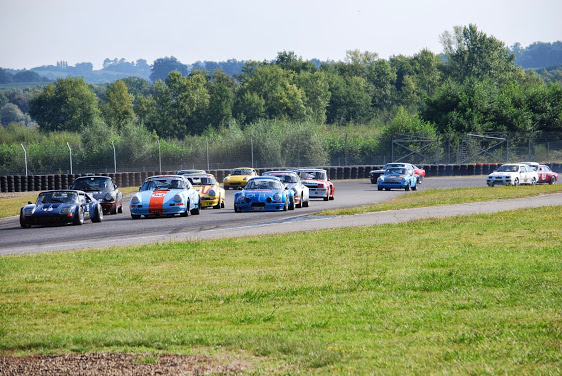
(42, 32)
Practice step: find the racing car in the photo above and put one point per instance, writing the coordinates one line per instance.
(318, 183)
(238, 177)
(419, 172)
(165, 195)
(263, 193)
(104, 189)
(546, 175)
(513, 174)
(293, 182)
(398, 177)
(212, 194)
(61, 207)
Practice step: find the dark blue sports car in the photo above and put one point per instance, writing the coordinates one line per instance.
(61, 207)
(263, 193)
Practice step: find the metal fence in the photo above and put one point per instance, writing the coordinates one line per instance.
(344, 150)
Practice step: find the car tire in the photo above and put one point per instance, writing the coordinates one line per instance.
(79, 216)
(113, 209)
(98, 215)
(490, 184)
(305, 204)
(197, 210)
(327, 197)
(135, 216)
(552, 180)
(218, 205)
(379, 188)
(120, 209)
(22, 223)
(534, 181)
(407, 188)
(387, 189)
(415, 188)
(516, 182)
(292, 204)
(332, 196)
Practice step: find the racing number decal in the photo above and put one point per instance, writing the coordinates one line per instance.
(156, 204)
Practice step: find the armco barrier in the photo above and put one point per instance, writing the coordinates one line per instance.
(21, 183)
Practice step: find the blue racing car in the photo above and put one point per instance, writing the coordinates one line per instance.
(61, 207)
(263, 193)
(398, 177)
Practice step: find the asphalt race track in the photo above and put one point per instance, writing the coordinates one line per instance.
(120, 229)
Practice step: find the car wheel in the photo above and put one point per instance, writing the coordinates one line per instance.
(305, 204)
(534, 181)
(327, 196)
(222, 204)
(135, 216)
(292, 204)
(218, 205)
(299, 205)
(490, 184)
(120, 209)
(379, 188)
(286, 206)
(113, 209)
(98, 215)
(197, 210)
(516, 182)
(415, 187)
(552, 180)
(407, 188)
(332, 196)
(78, 216)
(23, 224)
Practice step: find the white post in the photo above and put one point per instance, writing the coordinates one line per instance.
(208, 167)
(159, 156)
(24, 158)
(114, 158)
(70, 153)
(252, 143)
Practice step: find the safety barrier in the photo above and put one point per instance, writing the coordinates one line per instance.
(21, 183)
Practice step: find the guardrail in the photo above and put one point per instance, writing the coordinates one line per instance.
(22, 183)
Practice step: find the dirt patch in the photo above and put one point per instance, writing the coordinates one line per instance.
(110, 364)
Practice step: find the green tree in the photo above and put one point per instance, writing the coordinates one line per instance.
(222, 89)
(472, 53)
(316, 94)
(119, 106)
(66, 105)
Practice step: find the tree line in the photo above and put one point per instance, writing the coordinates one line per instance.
(474, 86)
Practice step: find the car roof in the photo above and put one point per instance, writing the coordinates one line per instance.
(265, 177)
(281, 172)
(93, 176)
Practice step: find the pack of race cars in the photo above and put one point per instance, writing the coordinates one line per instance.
(189, 191)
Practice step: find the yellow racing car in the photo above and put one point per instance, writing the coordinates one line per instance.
(209, 190)
(239, 177)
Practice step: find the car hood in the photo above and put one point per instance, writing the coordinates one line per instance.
(54, 207)
(502, 173)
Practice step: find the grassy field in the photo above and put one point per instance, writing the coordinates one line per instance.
(433, 197)
(478, 294)
(11, 203)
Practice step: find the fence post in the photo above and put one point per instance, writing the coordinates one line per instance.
(24, 158)
(70, 153)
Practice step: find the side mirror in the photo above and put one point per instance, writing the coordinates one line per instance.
(286, 188)
(29, 202)
(140, 188)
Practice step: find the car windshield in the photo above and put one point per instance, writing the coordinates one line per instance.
(395, 171)
(162, 183)
(264, 184)
(93, 184)
(508, 168)
(241, 171)
(316, 175)
(201, 180)
(52, 197)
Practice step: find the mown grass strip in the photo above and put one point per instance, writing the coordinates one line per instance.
(465, 295)
(11, 203)
(434, 197)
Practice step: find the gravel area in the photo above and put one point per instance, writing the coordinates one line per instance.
(110, 364)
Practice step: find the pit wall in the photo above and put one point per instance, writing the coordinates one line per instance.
(22, 183)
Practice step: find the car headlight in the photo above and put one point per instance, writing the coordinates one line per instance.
(226, 179)
(380, 178)
(245, 179)
(28, 211)
(135, 200)
(108, 197)
(212, 192)
(277, 197)
(240, 197)
(177, 198)
(403, 181)
(67, 210)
